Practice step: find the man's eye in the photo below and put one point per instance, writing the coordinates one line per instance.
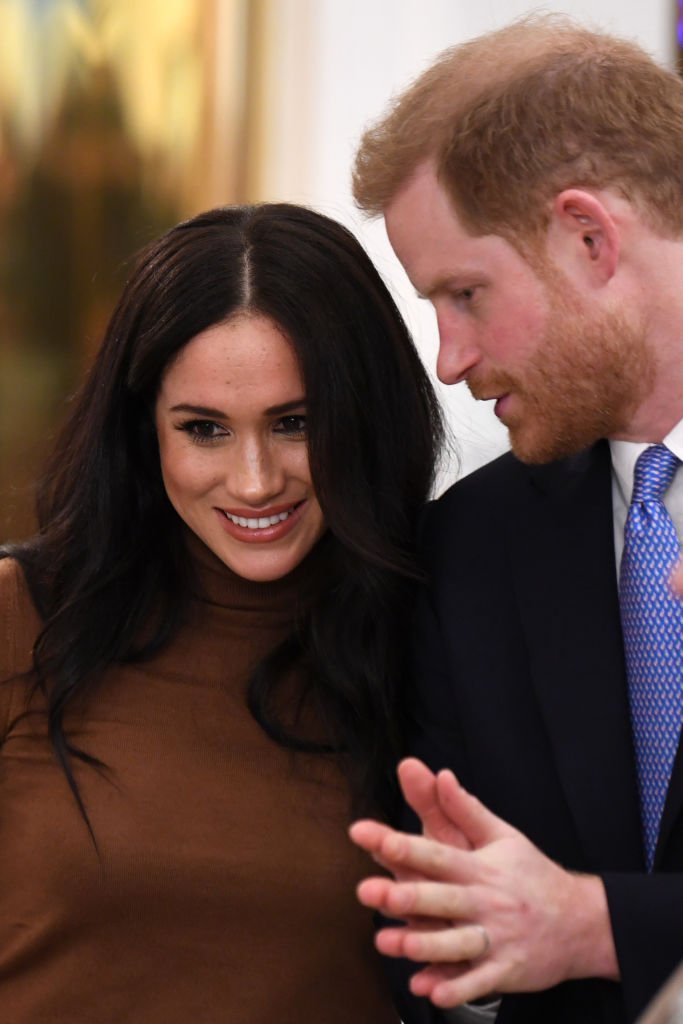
(293, 426)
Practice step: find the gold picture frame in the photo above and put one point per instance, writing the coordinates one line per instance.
(117, 119)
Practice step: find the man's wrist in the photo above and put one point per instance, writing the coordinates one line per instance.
(595, 954)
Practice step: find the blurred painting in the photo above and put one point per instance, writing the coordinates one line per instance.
(117, 119)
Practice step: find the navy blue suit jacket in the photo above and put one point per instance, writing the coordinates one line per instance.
(520, 688)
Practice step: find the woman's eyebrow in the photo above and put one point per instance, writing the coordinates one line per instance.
(205, 410)
(199, 410)
(296, 403)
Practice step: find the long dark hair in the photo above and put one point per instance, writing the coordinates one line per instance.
(108, 567)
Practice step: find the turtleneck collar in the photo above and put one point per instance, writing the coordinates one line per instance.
(217, 584)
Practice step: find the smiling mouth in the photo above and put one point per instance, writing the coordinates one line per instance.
(261, 522)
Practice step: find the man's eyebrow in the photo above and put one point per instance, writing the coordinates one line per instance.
(219, 414)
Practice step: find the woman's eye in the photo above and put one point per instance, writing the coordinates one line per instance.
(292, 426)
(203, 431)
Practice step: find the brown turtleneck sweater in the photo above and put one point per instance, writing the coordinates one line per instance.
(224, 887)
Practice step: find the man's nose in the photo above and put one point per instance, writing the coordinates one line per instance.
(457, 352)
(256, 475)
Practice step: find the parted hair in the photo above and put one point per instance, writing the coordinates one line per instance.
(513, 117)
(108, 569)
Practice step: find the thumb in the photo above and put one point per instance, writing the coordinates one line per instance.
(476, 822)
(676, 581)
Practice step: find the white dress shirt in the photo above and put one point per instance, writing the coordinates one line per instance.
(624, 456)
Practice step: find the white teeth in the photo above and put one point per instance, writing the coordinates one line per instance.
(261, 522)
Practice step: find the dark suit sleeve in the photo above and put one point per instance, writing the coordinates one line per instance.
(647, 922)
(436, 736)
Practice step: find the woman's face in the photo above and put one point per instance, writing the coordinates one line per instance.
(231, 423)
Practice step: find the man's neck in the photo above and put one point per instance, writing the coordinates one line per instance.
(654, 420)
(656, 269)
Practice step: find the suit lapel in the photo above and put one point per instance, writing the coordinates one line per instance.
(562, 547)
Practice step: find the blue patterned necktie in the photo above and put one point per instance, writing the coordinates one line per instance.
(652, 620)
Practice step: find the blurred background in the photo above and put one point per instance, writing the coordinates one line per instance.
(120, 117)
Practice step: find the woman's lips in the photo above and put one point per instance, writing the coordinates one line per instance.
(261, 525)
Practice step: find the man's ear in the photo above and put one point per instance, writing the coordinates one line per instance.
(582, 237)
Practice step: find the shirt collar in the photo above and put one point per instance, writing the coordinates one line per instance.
(625, 454)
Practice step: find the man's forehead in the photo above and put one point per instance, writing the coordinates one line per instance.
(430, 241)
(420, 184)
(421, 213)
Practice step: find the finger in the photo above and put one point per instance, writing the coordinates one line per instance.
(400, 851)
(418, 784)
(478, 824)
(476, 983)
(377, 894)
(401, 874)
(440, 900)
(447, 981)
(676, 581)
(423, 982)
(442, 945)
(389, 940)
(369, 834)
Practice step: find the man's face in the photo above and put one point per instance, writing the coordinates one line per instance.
(562, 375)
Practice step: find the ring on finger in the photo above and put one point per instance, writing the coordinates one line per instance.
(486, 938)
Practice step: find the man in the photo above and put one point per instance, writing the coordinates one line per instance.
(532, 187)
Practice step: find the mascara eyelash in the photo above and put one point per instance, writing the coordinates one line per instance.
(195, 436)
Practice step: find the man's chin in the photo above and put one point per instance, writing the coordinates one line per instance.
(535, 450)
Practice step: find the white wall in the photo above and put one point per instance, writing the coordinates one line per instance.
(337, 63)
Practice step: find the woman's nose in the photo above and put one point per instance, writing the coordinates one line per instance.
(256, 474)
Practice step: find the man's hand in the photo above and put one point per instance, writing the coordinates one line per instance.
(499, 916)
(676, 581)
(421, 792)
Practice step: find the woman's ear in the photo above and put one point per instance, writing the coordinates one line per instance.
(583, 237)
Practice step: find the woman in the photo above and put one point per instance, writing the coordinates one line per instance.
(202, 653)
